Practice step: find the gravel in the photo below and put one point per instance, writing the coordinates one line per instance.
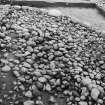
(53, 54)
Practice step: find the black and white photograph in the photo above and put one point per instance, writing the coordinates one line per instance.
(52, 52)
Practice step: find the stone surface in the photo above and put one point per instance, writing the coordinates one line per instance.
(28, 94)
(83, 103)
(42, 79)
(6, 68)
(29, 102)
(86, 81)
(95, 93)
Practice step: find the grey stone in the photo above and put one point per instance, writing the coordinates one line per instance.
(42, 79)
(95, 93)
(83, 103)
(25, 64)
(16, 73)
(29, 102)
(28, 94)
(6, 68)
(48, 87)
(86, 81)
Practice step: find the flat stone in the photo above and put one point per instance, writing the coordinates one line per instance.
(98, 76)
(48, 87)
(2, 35)
(21, 87)
(86, 81)
(42, 79)
(52, 99)
(29, 61)
(22, 79)
(19, 55)
(37, 73)
(39, 85)
(17, 7)
(52, 65)
(29, 102)
(25, 64)
(39, 102)
(6, 68)
(35, 90)
(16, 73)
(26, 53)
(51, 57)
(82, 97)
(100, 101)
(95, 93)
(28, 94)
(83, 103)
(25, 7)
(30, 49)
(4, 61)
(103, 66)
(77, 99)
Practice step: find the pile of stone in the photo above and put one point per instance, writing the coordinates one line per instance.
(52, 54)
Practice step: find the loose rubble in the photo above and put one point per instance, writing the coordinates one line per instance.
(52, 54)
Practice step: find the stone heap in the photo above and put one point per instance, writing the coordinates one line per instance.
(52, 54)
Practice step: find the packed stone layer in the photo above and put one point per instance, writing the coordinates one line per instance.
(4, 10)
(53, 54)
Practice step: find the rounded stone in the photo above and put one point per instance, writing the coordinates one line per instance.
(29, 102)
(6, 68)
(83, 103)
(48, 87)
(28, 94)
(42, 79)
(95, 93)
(86, 81)
(16, 73)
